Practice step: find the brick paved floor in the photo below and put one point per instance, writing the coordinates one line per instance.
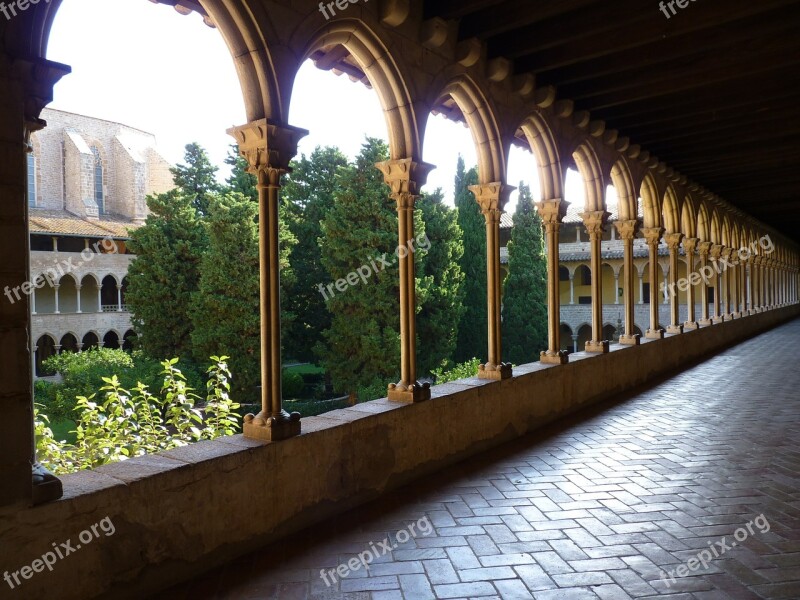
(597, 506)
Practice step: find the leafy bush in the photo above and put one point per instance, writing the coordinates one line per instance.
(293, 384)
(131, 423)
(460, 371)
(83, 373)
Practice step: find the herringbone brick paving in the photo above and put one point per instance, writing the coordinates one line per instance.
(598, 506)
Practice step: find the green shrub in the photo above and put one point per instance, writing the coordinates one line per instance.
(122, 423)
(460, 371)
(293, 384)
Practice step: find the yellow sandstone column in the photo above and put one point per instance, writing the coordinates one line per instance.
(627, 231)
(693, 279)
(268, 148)
(405, 177)
(673, 243)
(653, 235)
(716, 254)
(552, 213)
(492, 198)
(706, 273)
(595, 224)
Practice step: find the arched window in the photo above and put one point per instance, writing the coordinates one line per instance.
(98, 179)
(31, 180)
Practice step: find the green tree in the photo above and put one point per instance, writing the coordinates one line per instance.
(361, 347)
(240, 180)
(525, 288)
(165, 274)
(473, 327)
(438, 319)
(197, 177)
(309, 194)
(225, 307)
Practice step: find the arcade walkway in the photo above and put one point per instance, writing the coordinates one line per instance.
(595, 507)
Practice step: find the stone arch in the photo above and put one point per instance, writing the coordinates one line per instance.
(90, 340)
(588, 166)
(726, 231)
(543, 145)
(68, 294)
(626, 193)
(69, 342)
(483, 125)
(112, 339)
(688, 218)
(669, 211)
(703, 227)
(384, 73)
(651, 205)
(45, 348)
(716, 227)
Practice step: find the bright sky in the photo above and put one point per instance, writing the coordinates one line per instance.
(172, 76)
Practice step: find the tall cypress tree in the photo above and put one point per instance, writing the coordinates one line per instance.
(361, 348)
(438, 319)
(309, 195)
(473, 327)
(525, 288)
(197, 177)
(165, 274)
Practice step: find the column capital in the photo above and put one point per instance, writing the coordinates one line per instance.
(405, 177)
(553, 211)
(626, 229)
(652, 235)
(594, 221)
(716, 251)
(704, 248)
(690, 245)
(726, 252)
(492, 198)
(673, 240)
(38, 76)
(267, 147)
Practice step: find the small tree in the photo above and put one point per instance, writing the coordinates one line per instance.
(525, 288)
(197, 177)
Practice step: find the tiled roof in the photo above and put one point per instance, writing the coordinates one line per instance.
(60, 222)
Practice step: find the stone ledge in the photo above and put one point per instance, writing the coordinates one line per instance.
(182, 512)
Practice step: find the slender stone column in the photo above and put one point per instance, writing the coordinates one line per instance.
(99, 298)
(641, 286)
(627, 231)
(742, 275)
(552, 213)
(595, 224)
(747, 280)
(706, 273)
(716, 254)
(616, 287)
(78, 292)
(733, 271)
(405, 177)
(492, 198)
(755, 274)
(268, 148)
(673, 243)
(666, 285)
(653, 235)
(571, 288)
(56, 287)
(726, 283)
(119, 297)
(574, 343)
(693, 279)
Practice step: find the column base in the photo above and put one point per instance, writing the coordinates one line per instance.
(674, 329)
(597, 347)
(718, 320)
(738, 315)
(271, 429)
(409, 394)
(495, 372)
(654, 334)
(630, 340)
(691, 325)
(46, 486)
(553, 358)
(706, 322)
(731, 316)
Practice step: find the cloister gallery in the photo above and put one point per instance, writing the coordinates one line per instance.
(608, 88)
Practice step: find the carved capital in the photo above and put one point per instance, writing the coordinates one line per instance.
(405, 177)
(704, 248)
(552, 212)
(652, 235)
(673, 240)
(626, 229)
(594, 221)
(690, 245)
(716, 251)
(37, 77)
(267, 147)
(492, 198)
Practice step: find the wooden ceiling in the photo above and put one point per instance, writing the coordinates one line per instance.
(713, 90)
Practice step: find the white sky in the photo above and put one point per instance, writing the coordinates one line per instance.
(172, 76)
